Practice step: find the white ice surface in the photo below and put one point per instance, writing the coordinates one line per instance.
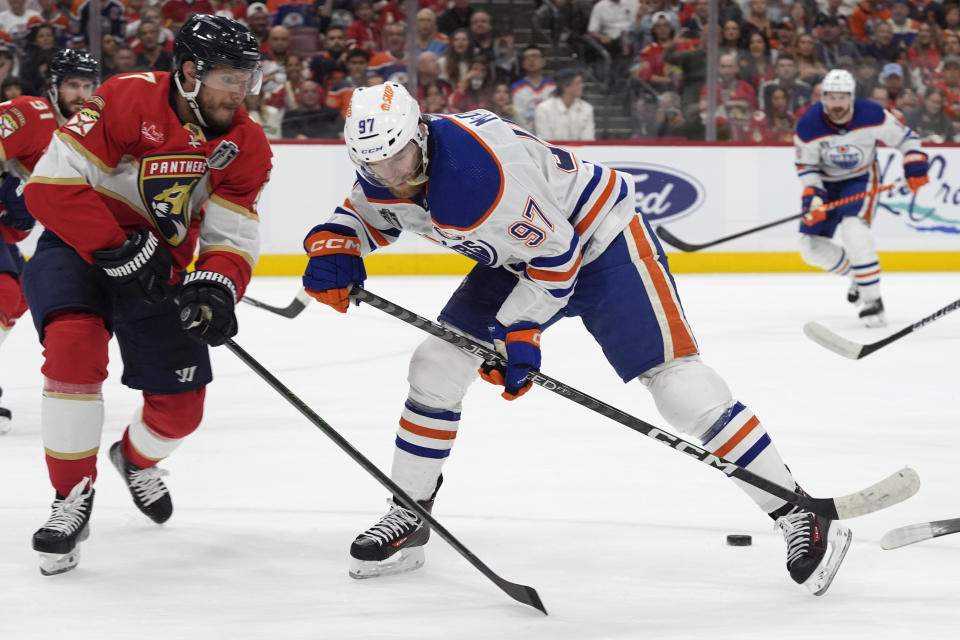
(622, 537)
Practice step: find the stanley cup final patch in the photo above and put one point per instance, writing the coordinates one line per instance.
(166, 183)
(223, 155)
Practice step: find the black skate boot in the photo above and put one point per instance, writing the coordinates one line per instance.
(58, 540)
(5, 417)
(149, 492)
(375, 551)
(853, 293)
(872, 313)
(815, 547)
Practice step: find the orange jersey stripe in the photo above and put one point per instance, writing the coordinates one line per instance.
(683, 343)
(376, 235)
(584, 224)
(436, 434)
(738, 437)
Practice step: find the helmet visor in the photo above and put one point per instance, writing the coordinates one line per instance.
(246, 81)
(395, 170)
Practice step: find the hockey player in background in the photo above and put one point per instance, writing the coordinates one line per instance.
(554, 236)
(26, 124)
(155, 167)
(836, 147)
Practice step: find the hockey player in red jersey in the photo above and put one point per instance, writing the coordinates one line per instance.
(153, 168)
(26, 124)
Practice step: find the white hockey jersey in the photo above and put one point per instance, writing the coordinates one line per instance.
(829, 153)
(504, 198)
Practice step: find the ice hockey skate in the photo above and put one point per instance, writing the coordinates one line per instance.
(872, 314)
(146, 487)
(393, 545)
(815, 548)
(58, 540)
(853, 293)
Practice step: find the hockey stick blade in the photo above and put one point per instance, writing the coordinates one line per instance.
(894, 489)
(853, 350)
(830, 340)
(292, 310)
(521, 593)
(902, 536)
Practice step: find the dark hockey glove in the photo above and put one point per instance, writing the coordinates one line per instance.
(335, 263)
(207, 299)
(15, 212)
(915, 168)
(141, 263)
(520, 345)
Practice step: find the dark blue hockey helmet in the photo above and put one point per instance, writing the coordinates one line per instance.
(72, 63)
(217, 41)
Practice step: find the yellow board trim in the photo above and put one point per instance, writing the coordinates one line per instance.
(780, 262)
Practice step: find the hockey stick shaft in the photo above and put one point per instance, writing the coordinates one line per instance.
(520, 593)
(902, 536)
(292, 310)
(889, 491)
(855, 350)
(668, 237)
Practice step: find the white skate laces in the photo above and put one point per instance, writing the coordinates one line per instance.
(397, 523)
(69, 513)
(147, 484)
(796, 531)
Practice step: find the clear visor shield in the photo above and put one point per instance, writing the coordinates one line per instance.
(245, 81)
(395, 170)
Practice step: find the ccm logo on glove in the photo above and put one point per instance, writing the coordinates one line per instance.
(324, 243)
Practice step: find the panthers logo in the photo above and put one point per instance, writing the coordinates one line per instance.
(166, 184)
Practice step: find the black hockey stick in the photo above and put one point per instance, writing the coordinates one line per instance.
(902, 536)
(668, 237)
(889, 491)
(292, 310)
(854, 350)
(520, 593)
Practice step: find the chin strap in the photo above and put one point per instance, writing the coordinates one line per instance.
(191, 99)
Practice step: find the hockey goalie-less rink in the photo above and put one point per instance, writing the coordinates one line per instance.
(621, 537)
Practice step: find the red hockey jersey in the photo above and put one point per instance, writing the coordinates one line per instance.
(26, 124)
(126, 161)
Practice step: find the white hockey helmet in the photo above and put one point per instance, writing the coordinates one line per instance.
(383, 121)
(839, 80)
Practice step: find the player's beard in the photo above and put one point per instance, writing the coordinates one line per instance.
(69, 109)
(218, 113)
(838, 116)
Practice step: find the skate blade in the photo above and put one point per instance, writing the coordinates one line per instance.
(874, 322)
(402, 562)
(5, 421)
(838, 541)
(52, 564)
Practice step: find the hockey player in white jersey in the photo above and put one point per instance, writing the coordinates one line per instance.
(836, 144)
(554, 235)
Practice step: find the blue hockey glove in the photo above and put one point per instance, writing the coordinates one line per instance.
(813, 200)
(915, 168)
(335, 263)
(15, 212)
(207, 299)
(520, 345)
(140, 263)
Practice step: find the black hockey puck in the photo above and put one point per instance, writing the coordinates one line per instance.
(739, 540)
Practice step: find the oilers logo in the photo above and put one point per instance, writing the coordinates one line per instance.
(845, 156)
(476, 250)
(166, 183)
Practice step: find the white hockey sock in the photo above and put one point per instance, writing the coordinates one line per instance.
(822, 253)
(738, 436)
(424, 440)
(867, 277)
(4, 332)
(147, 442)
(71, 419)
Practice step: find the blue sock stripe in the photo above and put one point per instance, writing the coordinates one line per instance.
(423, 452)
(867, 284)
(753, 451)
(869, 265)
(843, 256)
(721, 422)
(428, 412)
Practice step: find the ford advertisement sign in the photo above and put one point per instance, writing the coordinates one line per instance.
(663, 193)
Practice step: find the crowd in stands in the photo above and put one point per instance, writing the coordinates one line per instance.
(905, 55)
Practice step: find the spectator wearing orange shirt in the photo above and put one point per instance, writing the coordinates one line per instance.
(866, 17)
(330, 66)
(358, 60)
(50, 14)
(391, 63)
(950, 85)
(176, 12)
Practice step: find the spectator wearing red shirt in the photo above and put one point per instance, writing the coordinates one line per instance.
(866, 17)
(950, 85)
(475, 90)
(924, 53)
(176, 12)
(652, 68)
(736, 99)
(152, 15)
(364, 32)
